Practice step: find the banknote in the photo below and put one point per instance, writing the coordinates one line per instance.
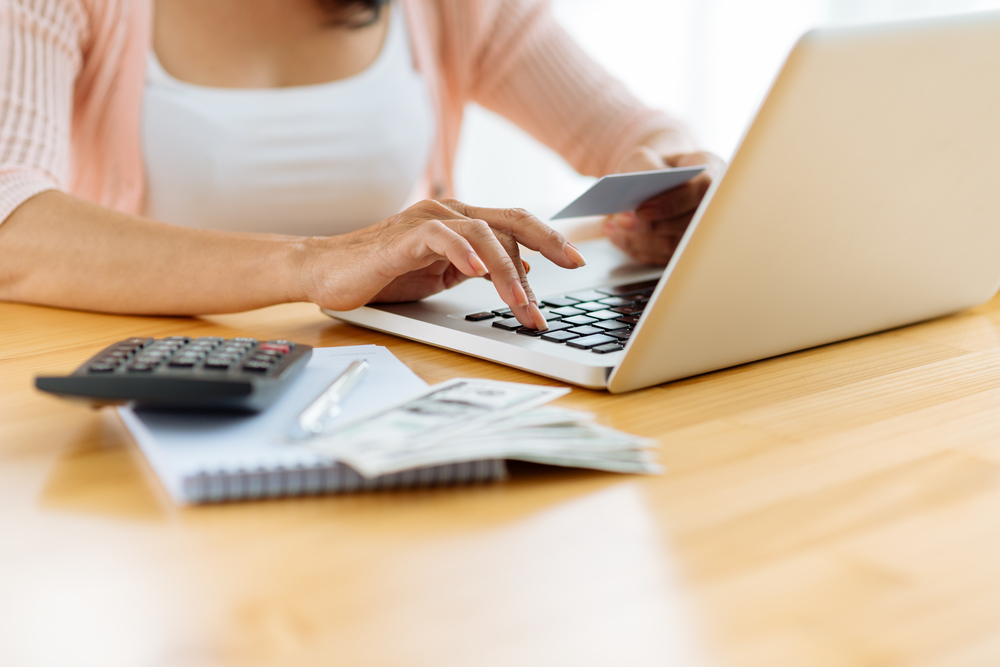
(408, 431)
(471, 420)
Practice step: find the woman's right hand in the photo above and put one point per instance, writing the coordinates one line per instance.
(430, 247)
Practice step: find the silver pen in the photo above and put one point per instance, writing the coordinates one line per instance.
(327, 405)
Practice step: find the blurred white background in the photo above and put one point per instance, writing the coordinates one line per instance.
(708, 62)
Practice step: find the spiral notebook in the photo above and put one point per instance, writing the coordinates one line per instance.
(204, 458)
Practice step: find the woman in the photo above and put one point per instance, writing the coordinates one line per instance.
(278, 137)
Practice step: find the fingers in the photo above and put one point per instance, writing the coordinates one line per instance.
(506, 270)
(646, 241)
(642, 158)
(681, 200)
(527, 230)
(434, 239)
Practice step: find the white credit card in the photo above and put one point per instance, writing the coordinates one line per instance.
(625, 192)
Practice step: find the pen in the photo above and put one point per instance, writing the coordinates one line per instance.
(328, 404)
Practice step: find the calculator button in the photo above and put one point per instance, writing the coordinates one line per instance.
(184, 362)
(588, 342)
(257, 366)
(140, 367)
(212, 362)
(138, 342)
(480, 317)
(101, 367)
(277, 348)
(610, 347)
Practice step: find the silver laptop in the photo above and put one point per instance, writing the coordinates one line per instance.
(863, 197)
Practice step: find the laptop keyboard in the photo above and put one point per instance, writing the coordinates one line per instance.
(600, 320)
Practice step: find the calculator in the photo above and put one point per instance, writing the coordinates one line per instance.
(179, 372)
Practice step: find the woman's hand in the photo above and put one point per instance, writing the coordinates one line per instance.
(651, 233)
(430, 247)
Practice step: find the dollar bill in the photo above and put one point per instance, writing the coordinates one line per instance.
(470, 420)
(389, 440)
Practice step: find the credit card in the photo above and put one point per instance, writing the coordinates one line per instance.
(625, 192)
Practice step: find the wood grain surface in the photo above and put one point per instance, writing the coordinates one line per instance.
(835, 507)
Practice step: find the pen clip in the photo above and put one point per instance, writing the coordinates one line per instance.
(313, 419)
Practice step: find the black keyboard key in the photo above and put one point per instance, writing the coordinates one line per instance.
(503, 312)
(479, 317)
(589, 295)
(585, 330)
(559, 336)
(604, 315)
(629, 319)
(610, 347)
(646, 286)
(621, 334)
(567, 311)
(559, 326)
(589, 306)
(507, 325)
(615, 301)
(611, 325)
(588, 342)
(630, 310)
(558, 302)
(534, 333)
(579, 320)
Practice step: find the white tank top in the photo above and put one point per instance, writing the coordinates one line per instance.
(306, 160)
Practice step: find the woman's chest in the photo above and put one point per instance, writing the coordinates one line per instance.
(262, 43)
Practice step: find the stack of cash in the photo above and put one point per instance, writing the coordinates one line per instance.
(474, 420)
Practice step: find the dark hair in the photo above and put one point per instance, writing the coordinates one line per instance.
(353, 13)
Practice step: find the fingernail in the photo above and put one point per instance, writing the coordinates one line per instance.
(537, 317)
(575, 255)
(520, 296)
(477, 264)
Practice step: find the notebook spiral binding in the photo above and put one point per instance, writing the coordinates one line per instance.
(222, 485)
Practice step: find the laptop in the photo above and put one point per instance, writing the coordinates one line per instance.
(862, 198)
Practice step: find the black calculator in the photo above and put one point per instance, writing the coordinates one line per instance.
(207, 373)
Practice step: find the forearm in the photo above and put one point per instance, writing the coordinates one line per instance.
(62, 251)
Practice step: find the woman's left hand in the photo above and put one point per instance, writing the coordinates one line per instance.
(651, 233)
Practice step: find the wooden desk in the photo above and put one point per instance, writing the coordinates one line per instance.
(840, 506)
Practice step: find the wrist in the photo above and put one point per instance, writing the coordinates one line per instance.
(301, 267)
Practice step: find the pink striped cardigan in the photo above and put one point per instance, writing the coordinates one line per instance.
(72, 74)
